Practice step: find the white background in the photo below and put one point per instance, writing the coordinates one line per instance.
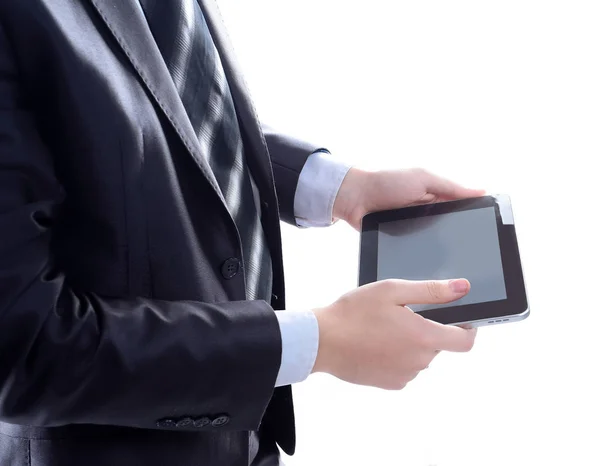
(500, 95)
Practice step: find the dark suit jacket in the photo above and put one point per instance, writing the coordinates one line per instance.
(124, 339)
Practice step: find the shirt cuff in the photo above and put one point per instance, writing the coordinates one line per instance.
(318, 185)
(300, 344)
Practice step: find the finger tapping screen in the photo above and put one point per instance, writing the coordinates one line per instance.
(445, 246)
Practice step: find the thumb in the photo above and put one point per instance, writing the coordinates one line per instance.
(405, 292)
(447, 189)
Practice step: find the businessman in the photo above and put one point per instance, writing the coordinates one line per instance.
(142, 308)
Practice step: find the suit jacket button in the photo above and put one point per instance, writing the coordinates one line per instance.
(185, 422)
(220, 421)
(166, 423)
(201, 422)
(230, 268)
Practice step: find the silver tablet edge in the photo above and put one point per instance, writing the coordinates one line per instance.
(494, 321)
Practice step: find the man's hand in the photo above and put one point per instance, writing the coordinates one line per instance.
(369, 336)
(363, 192)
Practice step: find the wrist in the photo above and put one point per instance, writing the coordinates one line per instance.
(349, 203)
(323, 361)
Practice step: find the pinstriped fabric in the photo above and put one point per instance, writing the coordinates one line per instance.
(183, 37)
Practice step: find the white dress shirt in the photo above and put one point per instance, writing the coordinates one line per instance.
(318, 185)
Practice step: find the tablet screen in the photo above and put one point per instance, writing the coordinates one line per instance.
(461, 244)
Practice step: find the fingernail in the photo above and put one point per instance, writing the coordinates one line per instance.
(459, 286)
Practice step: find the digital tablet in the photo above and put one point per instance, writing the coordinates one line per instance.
(470, 238)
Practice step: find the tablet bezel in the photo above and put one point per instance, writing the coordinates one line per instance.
(516, 303)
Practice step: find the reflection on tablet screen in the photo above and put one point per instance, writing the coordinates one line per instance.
(455, 245)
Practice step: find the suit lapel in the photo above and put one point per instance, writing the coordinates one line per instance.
(258, 159)
(127, 23)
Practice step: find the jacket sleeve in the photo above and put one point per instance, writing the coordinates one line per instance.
(68, 356)
(288, 156)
